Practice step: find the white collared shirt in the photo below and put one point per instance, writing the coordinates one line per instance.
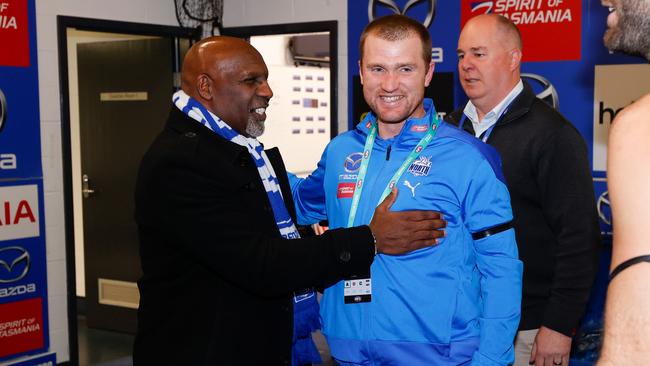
(492, 116)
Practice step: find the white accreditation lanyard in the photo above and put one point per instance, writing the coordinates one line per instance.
(367, 152)
(357, 290)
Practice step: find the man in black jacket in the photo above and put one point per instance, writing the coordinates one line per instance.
(547, 172)
(221, 281)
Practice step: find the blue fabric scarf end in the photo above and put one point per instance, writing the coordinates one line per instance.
(306, 319)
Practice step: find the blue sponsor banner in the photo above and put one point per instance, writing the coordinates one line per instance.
(23, 274)
(20, 139)
(569, 63)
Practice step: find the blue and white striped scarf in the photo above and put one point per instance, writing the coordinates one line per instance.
(306, 317)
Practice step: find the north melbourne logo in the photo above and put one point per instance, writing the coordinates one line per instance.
(420, 167)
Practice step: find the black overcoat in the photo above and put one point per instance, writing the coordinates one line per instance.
(217, 277)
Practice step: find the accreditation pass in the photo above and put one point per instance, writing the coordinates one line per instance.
(357, 290)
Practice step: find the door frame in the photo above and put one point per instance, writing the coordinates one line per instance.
(95, 25)
(330, 26)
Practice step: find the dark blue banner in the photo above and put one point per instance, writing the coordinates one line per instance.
(23, 271)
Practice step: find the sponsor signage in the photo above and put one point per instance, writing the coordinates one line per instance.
(19, 216)
(14, 265)
(21, 326)
(345, 190)
(550, 28)
(14, 33)
(615, 87)
(603, 207)
(543, 89)
(352, 162)
(3, 109)
(20, 138)
(23, 272)
(408, 9)
(24, 327)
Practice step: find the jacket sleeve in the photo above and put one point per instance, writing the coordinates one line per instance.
(211, 216)
(487, 206)
(566, 187)
(309, 194)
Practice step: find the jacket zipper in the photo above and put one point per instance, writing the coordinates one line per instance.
(388, 152)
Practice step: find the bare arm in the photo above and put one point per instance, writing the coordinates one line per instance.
(627, 320)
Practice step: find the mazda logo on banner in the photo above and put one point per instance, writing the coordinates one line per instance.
(485, 7)
(604, 210)
(548, 92)
(3, 109)
(390, 4)
(14, 264)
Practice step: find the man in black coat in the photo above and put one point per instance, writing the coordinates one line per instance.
(547, 171)
(214, 213)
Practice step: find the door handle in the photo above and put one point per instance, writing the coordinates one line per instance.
(85, 186)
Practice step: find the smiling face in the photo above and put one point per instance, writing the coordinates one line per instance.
(488, 62)
(394, 76)
(628, 26)
(240, 92)
(229, 77)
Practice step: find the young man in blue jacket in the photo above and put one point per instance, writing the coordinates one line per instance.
(457, 303)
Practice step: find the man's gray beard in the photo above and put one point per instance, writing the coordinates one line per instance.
(632, 33)
(254, 128)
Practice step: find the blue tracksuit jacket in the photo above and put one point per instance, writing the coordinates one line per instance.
(453, 304)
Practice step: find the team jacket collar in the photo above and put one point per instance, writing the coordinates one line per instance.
(413, 130)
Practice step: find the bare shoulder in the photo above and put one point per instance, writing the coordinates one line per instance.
(633, 117)
(628, 179)
(630, 131)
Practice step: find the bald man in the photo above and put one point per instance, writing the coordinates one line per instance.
(222, 284)
(547, 171)
(627, 315)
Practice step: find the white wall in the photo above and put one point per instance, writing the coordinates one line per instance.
(237, 13)
(142, 11)
(301, 133)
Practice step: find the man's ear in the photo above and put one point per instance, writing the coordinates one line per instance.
(204, 86)
(429, 74)
(515, 59)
